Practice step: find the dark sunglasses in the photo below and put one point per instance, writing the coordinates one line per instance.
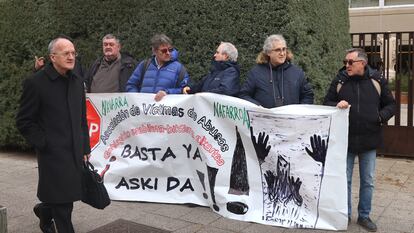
(350, 62)
(166, 50)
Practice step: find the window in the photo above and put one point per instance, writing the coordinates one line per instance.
(397, 2)
(378, 3)
(363, 3)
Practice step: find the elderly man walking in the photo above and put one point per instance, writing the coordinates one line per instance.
(52, 118)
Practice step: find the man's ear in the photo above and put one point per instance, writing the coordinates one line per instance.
(52, 57)
(227, 56)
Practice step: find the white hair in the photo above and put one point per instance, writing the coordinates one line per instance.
(230, 50)
(268, 43)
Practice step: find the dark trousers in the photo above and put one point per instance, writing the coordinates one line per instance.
(62, 215)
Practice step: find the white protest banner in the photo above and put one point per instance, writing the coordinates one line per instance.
(284, 166)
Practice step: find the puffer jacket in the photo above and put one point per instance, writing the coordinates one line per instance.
(264, 85)
(165, 78)
(369, 108)
(128, 64)
(224, 78)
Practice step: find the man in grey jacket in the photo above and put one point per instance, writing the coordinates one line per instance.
(111, 72)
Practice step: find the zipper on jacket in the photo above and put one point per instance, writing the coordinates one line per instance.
(157, 79)
(281, 94)
(358, 115)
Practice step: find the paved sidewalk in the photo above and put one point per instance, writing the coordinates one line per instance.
(393, 205)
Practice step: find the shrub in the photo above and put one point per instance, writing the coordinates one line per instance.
(316, 31)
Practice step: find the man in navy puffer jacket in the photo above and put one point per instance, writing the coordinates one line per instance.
(224, 76)
(162, 75)
(274, 81)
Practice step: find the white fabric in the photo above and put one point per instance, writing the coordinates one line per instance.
(159, 152)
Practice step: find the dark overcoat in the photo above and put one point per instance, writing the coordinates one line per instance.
(369, 109)
(264, 85)
(52, 117)
(224, 79)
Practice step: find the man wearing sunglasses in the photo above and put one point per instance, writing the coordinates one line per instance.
(111, 72)
(371, 104)
(161, 74)
(274, 81)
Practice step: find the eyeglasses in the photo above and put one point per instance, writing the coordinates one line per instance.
(280, 50)
(350, 62)
(166, 50)
(67, 54)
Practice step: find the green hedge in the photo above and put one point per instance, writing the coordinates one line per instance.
(316, 31)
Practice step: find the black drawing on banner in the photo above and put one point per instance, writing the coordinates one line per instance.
(239, 183)
(319, 148)
(113, 158)
(201, 177)
(282, 187)
(260, 146)
(212, 173)
(318, 153)
(237, 207)
(290, 193)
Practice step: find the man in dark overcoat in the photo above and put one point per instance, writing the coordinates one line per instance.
(52, 117)
(365, 92)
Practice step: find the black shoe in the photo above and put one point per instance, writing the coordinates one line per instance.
(349, 220)
(367, 224)
(46, 223)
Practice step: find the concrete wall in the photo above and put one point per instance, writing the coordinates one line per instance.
(381, 19)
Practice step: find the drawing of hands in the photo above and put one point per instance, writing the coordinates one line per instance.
(319, 148)
(271, 184)
(295, 187)
(260, 146)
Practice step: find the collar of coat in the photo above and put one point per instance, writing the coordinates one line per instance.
(222, 65)
(155, 62)
(52, 73)
(283, 66)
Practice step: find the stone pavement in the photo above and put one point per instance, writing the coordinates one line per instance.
(393, 205)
